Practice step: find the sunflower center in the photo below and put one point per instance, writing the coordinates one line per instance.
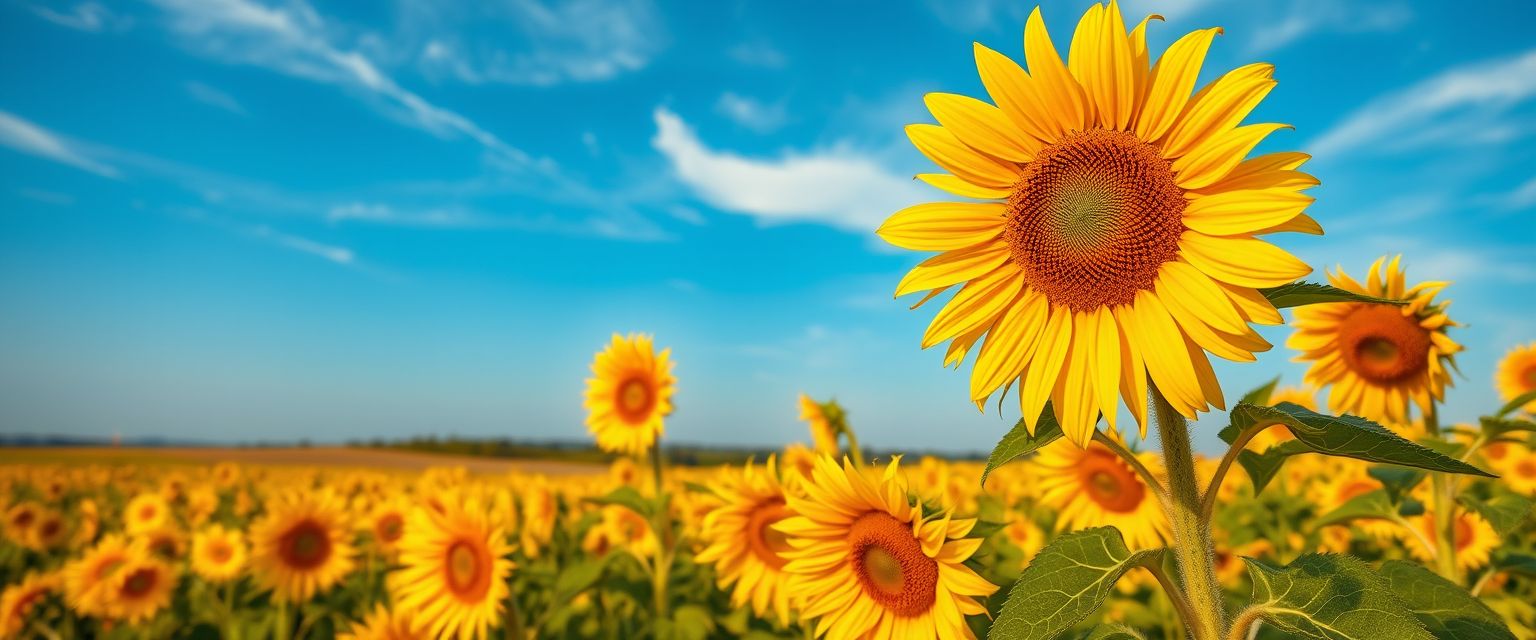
(390, 527)
(306, 545)
(1529, 378)
(467, 576)
(1092, 218)
(1526, 468)
(23, 519)
(890, 564)
(1462, 537)
(1109, 482)
(219, 551)
(139, 582)
(634, 399)
(147, 512)
(767, 542)
(1382, 345)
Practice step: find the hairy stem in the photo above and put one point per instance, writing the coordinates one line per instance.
(1246, 624)
(1192, 547)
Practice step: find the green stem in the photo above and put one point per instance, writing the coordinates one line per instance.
(514, 619)
(284, 629)
(1192, 547)
(1445, 509)
(1244, 627)
(662, 525)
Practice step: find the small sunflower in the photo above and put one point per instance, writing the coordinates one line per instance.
(453, 575)
(1473, 539)
(384, 624)
(18, 600)
(49, 532)
(1023, 533)
(742, 544)
(85, 579)
(20, 519)
(1092, 487)
(1345, 480)
(87, 524)
(540, 509)
(823, 436)
(1516, 375)
(218, 554)
(1519, 473)
(301, 546)
(621, 527)
(386, 523)
(139, 589)
(169, 543)
(1378, 358)
(1118, 237)
(869, 564)
(630, 395)
(146, 512)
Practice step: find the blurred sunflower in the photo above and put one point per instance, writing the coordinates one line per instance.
(386, 523)
(1119, 239)
(624, 528)
(1516, 375)
(624, 471)
(20, 519)
(1023, 533)
(741, 542)
(139, 589)
(1472, 538)
(383, 624)
(453, 575)
(85, 579)
(823, 437)
(218, 554)
(1378, 357)
(301, 546)
(1520, 472)
(168, 543)
(146, 512)
(540, 508)
(1345, 479)
(1093, 487)
(49, 532)
(17, 600)
(868, 564)
(630, 395)
(87, 523)
(799, 462)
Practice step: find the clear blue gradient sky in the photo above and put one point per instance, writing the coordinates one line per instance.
(235, 220)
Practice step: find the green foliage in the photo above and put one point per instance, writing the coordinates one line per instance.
(1495, 427)
(1345, 436)
(1066, 582)
(1297, 294)
(628, 498)
(1262, 467)
(1261, 394)
(1445, 609)
(1330, 597)
(1513, 405)
(1505, 512)
(1019, 441)
(1398, 481)
(1113, 632)
(1373, 505)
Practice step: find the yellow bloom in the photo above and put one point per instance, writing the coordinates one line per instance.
(18, 600)
(168, 543)
(20, 520)
(870, 564)
(1473, 539)
(387, 524)
(1024, 534)
(630, 395)
(454, 570)
(85, 579)
(1519, 473)
(383, 624)
(1094, 487)
(1118, 237)
(624, 471)
(1345, 480)
(1378, 357)
(1517, 375)
(742, 544)
(302, 546)
(139, 589)
(540, 508)
(823, 437)
(49, 532)
(218, 554)
(146, 512)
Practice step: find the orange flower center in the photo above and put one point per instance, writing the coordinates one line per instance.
(140, 582)
(634, 399)
(1382, 345)
(1462, 537)
(23, 518)
(305, 546)
(389, 528)
(1526, 468)
(891, 566)
(147, 512)
(1529, 378)
(766, 542)
(1109, 482)
(1092, 218)
(219, 551)
(468, 572)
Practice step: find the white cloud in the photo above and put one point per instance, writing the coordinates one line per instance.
(214, 98)
(1462, 99)
(1522, 197)
(758, 53)
(836, 187)
(385, 214)
(974, 15)
(751, 113)
(26, 137)
(1305, 17)
(337, 254)
(86, 16)
(47, 197)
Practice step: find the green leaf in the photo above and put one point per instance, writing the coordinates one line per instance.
(692, 622)
(1262, 467)
(628, 498)
(1020, 441)
(578, 577)
(1506, 512)
(1496, 427)
(1297, 294)
(1066, 582)
(1330, 597)
(1445, 609)
(1514, 562)
(1519, 401)
(1111, 631)
(1371, 505)
(1261, 394)
(984, 528)
(1348, 436)
(1398, 481)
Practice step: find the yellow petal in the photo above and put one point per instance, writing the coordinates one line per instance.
(1171, 82)
(960, 187)
(941, 226)
(977, 303)
(1101, 61)
(1010, 344)
(1133, 370)
(945, 150)
(955, 354)
(1068, 104)
(981, 126)
(1219, 107)
(1017, 94)
(1140, 63)
(1198, 293)
(1236, 212)
(1167, 360)
(1040, 376)
(952, 267)
(1219, 154)
(1073, 397)
(1284, 179)
(1251, 304)
(1240, 260)
(1106, 366)
(1210, 387)
(1302, 223)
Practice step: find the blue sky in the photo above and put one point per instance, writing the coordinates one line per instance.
(233, 220)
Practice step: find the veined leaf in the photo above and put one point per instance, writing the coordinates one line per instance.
(1398, 481)
(1514, 562)
(1445, 609)
(1505, 512)
(1348, 436)
(1113, 632)
(628, 498)
(1019, 441)
(1496, 427)
(1066, 582)
(1297, 294)
(1262, 393)
(1331, 597)
(1262, 467)
(1371, 505)
(1519, 401)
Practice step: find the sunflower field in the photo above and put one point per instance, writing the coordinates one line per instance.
(1111, 237)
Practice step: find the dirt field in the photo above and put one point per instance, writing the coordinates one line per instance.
(325, 456)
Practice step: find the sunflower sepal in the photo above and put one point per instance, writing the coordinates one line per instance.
(1506, 512)
(1326, 596)
(1344, 436)
(1300, 294)
(1020, 441)
(1086, 563)
(1444, 608)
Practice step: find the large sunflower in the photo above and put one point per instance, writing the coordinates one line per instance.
(1517, 375)
(218, 554)
(742, 544)
(384, 624)
(869, 564)
(302, 545)
(1118, 237)
(453, 575)
(1378, 357)
(85, 579)
(1093, 487)
(630, 395)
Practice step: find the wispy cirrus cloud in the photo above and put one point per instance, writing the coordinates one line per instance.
(87, 16)
(837, 187)
(214, 98)
(30, 138)
(758, 53)
(1300, 19)
(751, 113)
(333, 253)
